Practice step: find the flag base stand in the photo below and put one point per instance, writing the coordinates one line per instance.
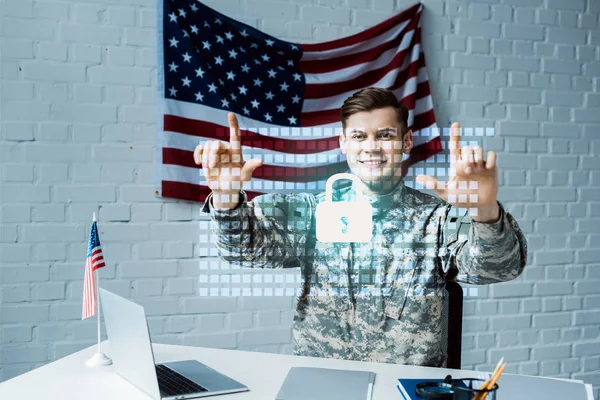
(98, 360)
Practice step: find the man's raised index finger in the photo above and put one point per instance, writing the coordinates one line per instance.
(234, 132)
(455, 140)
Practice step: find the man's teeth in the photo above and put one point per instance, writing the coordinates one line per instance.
(373, 162)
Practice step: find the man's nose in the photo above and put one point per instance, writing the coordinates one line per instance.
(372, 145)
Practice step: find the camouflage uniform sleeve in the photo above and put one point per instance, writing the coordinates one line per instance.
(267, 232)
(481, 253)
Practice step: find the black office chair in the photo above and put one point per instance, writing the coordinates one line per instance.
(454, 309)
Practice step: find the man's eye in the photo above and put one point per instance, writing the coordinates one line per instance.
(387, 135)
(356, 136)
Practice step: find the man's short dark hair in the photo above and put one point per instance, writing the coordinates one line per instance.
(370, 99)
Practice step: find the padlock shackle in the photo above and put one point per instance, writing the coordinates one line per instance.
(333, 178)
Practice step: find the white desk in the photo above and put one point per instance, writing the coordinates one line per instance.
(263, 373)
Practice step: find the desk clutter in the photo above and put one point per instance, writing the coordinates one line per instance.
(447, 389)
(452, 389)
(509, 387)
(313, 383)
(302, 383)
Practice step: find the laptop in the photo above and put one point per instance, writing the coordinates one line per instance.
(133, 358)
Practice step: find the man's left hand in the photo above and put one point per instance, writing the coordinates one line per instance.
(474, 181)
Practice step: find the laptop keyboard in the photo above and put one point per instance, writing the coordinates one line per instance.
(172, 383)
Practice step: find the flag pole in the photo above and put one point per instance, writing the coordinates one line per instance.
(99, 358)
(97, 295)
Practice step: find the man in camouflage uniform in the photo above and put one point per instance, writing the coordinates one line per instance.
(381, 301)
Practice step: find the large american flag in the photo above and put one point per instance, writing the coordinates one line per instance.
(287, 96)
(94, 260)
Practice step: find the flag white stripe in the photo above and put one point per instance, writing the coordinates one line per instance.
(422, 105)
(358, 47)
(334, 102)
(349, 73)
(89, 292)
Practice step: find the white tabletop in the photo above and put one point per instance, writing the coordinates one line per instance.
(263, 373)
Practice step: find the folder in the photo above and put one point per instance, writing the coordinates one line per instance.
(521, 387)
(302, 383)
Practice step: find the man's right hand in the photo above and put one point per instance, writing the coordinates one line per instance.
(224, 166)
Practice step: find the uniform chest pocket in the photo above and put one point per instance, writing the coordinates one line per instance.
(395, 299)
(420, 303)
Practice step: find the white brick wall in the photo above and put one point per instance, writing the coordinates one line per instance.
(78, 95)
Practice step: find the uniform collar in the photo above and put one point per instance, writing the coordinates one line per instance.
(384, 201)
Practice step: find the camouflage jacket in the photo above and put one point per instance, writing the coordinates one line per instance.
(381, 301)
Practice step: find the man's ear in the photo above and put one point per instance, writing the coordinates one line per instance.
(342, 142)
(408, 141)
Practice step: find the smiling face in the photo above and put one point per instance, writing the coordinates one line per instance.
(373, 144)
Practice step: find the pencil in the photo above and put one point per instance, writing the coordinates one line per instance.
(494, 380)
(486, 385)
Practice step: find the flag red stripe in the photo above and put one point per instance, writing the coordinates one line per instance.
(96, 251)
(98, 265)
(349, 60)
(188, 191)
(422, 152)
(185, 158)
(320, 90)
(267, 172)
(423, 120)
(364, 35)
(248, 138)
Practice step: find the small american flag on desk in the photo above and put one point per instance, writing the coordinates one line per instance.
(287, 96)
(94, 260)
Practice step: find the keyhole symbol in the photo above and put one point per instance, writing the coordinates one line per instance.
(345, 223)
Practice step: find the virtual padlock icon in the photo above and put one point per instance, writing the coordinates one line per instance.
(344, 221)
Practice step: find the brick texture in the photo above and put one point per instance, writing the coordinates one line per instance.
(77, 137)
